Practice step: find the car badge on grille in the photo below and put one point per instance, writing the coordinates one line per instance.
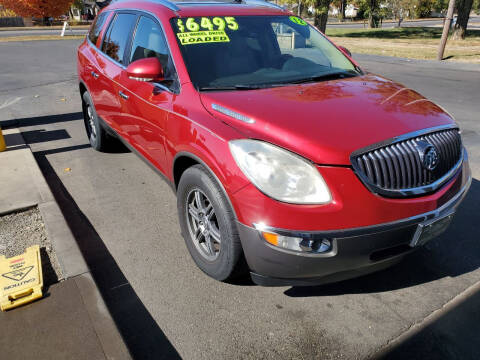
(428, 154)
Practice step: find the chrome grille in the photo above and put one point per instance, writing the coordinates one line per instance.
(397, 168)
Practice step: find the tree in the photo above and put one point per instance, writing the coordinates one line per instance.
(37, 8)
(342, 5)
(373, 18)
(321, 14)
(440, 6)
(463, 9)
(476, 6)
(424, 8)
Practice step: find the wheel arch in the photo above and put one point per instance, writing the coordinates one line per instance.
(82, 87)
(184, 160)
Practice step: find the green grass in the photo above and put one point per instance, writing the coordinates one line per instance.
(40, 38)
(411, 42)
(395, 33)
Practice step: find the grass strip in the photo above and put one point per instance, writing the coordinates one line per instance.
(412, 42)
(40, 38)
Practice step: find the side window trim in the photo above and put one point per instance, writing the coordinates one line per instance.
(131, 37)
(105, 26)
(108, 31)
(176, 88)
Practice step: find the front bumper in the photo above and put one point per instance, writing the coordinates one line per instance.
(354, 252)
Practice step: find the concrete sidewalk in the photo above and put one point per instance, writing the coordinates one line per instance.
(72, 320)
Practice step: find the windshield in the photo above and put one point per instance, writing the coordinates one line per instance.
(245, 52)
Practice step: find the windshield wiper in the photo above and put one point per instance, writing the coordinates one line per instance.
(325, 76)
(232, 87)
(242, 87)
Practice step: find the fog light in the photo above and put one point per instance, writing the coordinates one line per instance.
(319, 246)
(297, 243)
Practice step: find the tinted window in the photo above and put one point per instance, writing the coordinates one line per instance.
(97, 26)
(118, 35)
(150, 42)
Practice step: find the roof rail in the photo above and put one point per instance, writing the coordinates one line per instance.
(216, 2)
(166, 3)
(172, 5)
(263, 3)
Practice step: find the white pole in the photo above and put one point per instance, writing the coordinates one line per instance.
(64, 28)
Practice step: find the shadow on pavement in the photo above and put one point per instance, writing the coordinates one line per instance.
(39, 136)
(141, 334)
(49, 275)
(42, 120)
(454, 253)
(455, 334)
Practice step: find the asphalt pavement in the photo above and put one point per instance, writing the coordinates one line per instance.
(124, 219)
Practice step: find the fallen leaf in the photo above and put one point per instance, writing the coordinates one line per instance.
(67, 169)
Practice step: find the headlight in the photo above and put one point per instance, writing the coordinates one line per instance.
(279, 173)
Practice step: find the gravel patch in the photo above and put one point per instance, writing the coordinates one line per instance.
(21, 230)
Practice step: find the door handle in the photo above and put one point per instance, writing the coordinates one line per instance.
(94, 74)
(123, 95)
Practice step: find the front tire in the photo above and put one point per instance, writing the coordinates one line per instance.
(208, 225)
(98, 137)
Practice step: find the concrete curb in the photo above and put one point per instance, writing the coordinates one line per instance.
(73, 265)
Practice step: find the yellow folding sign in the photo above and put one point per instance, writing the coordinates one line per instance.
(21, 278)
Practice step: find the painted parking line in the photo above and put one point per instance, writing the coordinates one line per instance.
(10, 102)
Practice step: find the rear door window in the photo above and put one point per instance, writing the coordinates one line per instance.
(118, 36)
(97, 27)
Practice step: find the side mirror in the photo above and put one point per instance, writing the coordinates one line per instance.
(345, 50)
(148, 69)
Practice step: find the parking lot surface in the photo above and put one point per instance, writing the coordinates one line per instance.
(124, 218)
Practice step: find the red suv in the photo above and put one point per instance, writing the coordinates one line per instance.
(285, 156)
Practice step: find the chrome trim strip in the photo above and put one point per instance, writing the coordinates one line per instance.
(416, 191)
(402, 137)
(232, 114)
(449, 206)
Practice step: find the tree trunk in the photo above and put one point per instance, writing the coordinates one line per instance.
(321, 14)
(321, 22)
(372, 14)
(464, 7)
(372, 21)
(299, 9)
(343, 5)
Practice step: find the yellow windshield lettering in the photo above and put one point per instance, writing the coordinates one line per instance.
(202, 37)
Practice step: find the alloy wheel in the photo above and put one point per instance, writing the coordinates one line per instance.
(91, 123)
(203, 225)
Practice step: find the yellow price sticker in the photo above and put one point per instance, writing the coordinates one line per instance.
(203, 37)
(211, 24)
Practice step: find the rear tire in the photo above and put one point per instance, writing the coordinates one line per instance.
(208, 225)
(98, 137)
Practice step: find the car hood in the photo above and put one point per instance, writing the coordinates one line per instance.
(326, 121)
